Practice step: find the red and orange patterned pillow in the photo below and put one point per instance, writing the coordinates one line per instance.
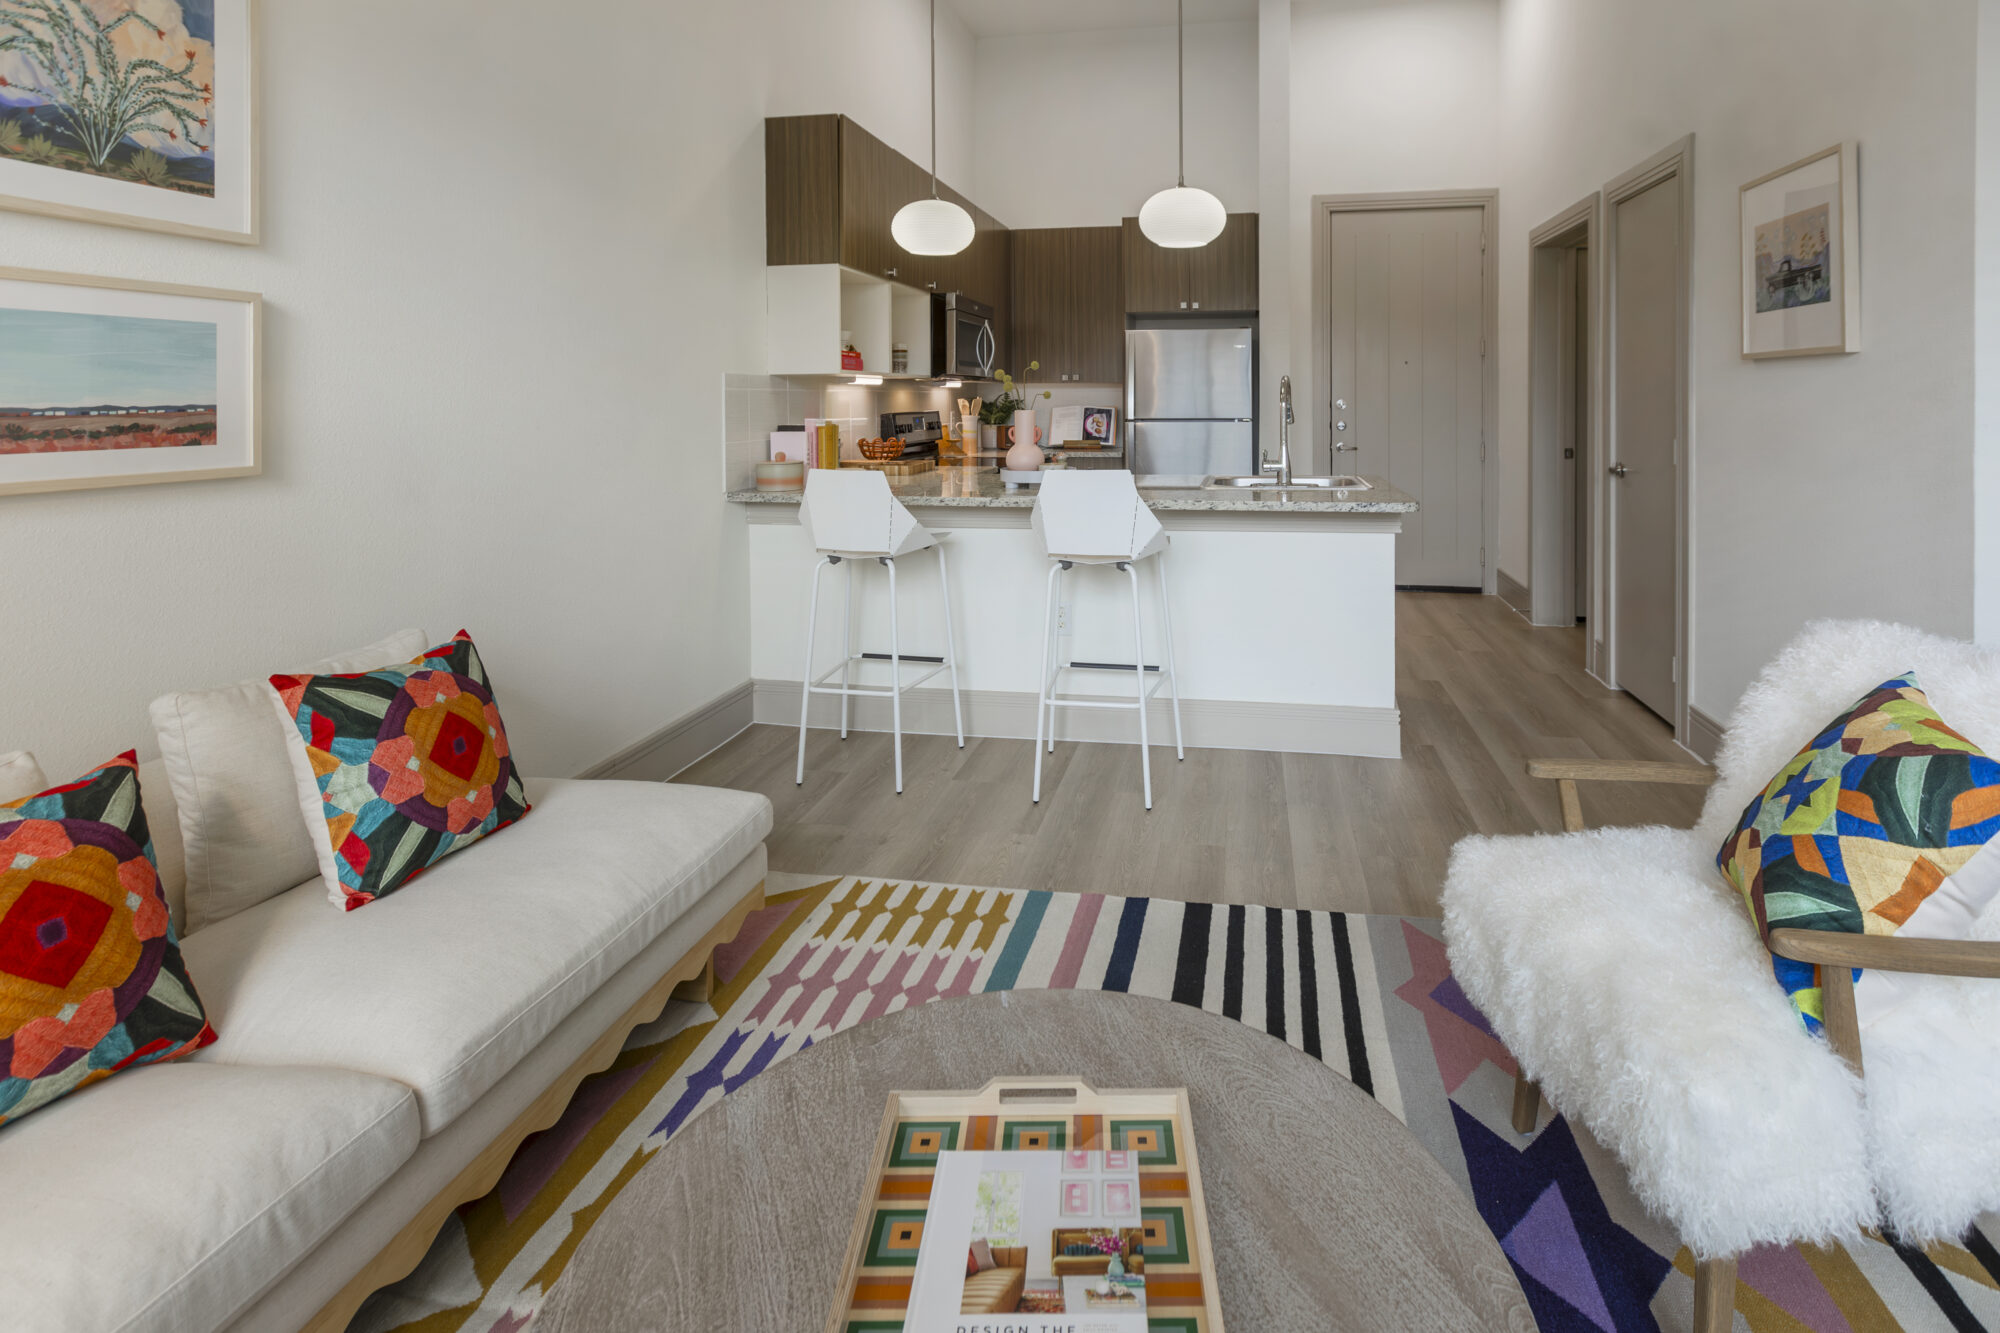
(91, 978)
(398, 768)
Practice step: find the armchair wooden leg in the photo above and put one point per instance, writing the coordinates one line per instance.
(1715, 1295)
(698, 989)
(1527, 1103)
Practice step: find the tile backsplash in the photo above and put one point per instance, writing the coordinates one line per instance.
(755, 405)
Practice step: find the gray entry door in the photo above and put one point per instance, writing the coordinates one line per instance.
(1407, 313)
(1645, 389)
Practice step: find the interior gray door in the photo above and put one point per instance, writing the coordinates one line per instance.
(1406, 319)
(1645, 394)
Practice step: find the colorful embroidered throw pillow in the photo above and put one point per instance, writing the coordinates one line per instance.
(398, 768)
(1878, 827)
(91, 979)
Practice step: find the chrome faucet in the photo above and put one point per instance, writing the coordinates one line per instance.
(1283, 467)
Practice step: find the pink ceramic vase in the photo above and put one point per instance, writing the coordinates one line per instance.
(1025, 437)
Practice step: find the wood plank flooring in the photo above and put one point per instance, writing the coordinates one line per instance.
(1481, 691)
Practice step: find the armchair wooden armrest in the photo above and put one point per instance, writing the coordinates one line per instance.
(1837, 953)
(1891, 953)
(1621, 770)
(1568, 772)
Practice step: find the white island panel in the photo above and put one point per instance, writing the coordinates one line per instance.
(1285, 636)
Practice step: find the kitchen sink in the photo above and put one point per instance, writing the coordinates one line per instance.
(1270, 483)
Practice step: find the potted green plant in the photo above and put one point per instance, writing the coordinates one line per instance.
(999, 411)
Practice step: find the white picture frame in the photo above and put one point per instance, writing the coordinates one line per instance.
(148, 177)
(57, 387)
(1801, 257)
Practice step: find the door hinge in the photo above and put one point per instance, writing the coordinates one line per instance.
(1482, 347)
(1677, 671)
(1482, 446)
(1482, 557)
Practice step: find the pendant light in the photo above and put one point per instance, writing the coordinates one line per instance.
(1182, 218)
(933, 226)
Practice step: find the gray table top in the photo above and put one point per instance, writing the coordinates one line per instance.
(1325, 1212)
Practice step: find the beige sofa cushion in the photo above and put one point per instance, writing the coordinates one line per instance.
(446, 985)
(169, 1197)
(239, 808)
(20, 777)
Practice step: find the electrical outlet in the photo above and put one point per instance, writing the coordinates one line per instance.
(1063, 610)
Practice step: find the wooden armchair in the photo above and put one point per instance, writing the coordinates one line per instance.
(1837, 954)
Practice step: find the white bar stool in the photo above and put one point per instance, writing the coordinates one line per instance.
(1097, 518)
(852, 516)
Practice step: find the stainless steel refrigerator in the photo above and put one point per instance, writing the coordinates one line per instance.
(1190, 401)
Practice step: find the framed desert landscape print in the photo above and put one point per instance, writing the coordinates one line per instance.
(1802, 258)
(105, 382)
(134, 112)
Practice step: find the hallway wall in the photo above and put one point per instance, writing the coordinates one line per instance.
(1823, 486)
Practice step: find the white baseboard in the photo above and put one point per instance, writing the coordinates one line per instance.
(1512, 591)
(1704, 734)
(1207, 724)
(687, 738)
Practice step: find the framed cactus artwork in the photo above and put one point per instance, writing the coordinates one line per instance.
(139, 113)
(112, 382)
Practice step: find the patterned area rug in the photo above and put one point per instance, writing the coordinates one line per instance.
(1369, 995)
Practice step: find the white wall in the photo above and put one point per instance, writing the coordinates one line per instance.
(870, 59)
(1076, 129)
(497, 330)
(1824, 486)
(1386, 96)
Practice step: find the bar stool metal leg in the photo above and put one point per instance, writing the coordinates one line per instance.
(1042, 694)
(895, 673)
(1139, 679)
(1052, 668)
(1173, 671)
(805, 689)
(950, 652)
(847, 647)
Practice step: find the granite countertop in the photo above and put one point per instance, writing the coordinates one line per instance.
(981, 488)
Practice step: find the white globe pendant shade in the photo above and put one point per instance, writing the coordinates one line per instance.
(1182, 218)
(932, 227)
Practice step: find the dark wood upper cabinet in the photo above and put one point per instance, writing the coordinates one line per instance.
(1219, 276)
(1067, 312)
(831, 191)
(1041, 275)
(1097, 315)
(1222, 275)
(1155, 278)
(802, 190)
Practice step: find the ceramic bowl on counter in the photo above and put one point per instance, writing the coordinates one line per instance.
(789, 476)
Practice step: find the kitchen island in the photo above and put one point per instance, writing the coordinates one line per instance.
(1283, 611)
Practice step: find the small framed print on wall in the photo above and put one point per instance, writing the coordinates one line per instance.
(1802, 257)
(139, 113)
(108, 382)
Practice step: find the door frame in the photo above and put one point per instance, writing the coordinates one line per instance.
(1555, 346)
(1677, 159)
(1324, 206)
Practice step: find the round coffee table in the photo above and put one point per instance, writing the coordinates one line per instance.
(1325, 1212)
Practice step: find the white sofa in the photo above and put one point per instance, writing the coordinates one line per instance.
(373, 1069)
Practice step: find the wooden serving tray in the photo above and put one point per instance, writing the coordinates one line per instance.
(895, 467)
(1029, 1114)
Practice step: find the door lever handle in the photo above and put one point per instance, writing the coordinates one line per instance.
(1618, 469)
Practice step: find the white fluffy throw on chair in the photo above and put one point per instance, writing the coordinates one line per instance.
(1625, 976)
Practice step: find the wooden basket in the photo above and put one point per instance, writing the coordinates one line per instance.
(1051, 1114)
(881, 451)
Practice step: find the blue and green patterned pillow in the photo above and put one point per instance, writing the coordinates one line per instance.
(398, 768)
(1876, 827)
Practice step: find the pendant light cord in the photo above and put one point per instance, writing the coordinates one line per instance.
(1180, 80)
(934, 192)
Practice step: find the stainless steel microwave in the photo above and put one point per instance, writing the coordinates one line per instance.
(963, 344)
